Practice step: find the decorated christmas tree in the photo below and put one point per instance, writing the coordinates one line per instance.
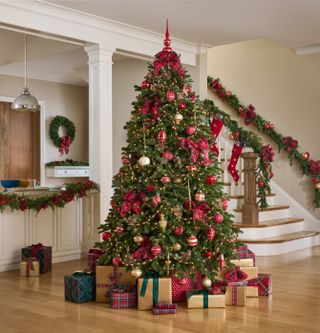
(168, 212)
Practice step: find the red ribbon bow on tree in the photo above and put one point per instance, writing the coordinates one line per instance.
(197, 148)
(132, 202)
(144, 250)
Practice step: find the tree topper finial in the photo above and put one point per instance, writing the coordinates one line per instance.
(167, 40)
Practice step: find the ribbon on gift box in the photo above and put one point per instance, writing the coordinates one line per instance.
(243, 283)
(122, 289)
(114, 277)
(235, 275)
(155, 287)
(204, 292)
(29, 265)
(35, 249)
(96, 251)
(81, 273)
(234, 295)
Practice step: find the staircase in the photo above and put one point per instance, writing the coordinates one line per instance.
(283, 227)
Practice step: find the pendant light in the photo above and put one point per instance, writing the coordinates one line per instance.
(25, 101)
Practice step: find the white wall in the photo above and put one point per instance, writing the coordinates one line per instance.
(284, 88)
(126, 73)
(60, 99)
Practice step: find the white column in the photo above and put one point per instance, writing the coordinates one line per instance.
(203, 71)
(100, 122)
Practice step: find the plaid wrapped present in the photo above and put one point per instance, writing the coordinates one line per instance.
(93, 256)
(243, 253)
(42, 253)
(181, 286)
(157, 311)
(79, 287)
(264, 284)
(166, 306)
(123, 297)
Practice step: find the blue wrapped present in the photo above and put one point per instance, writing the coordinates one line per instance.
(79, 287)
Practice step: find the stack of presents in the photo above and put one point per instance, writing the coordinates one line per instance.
(35, 259)
(116, 286)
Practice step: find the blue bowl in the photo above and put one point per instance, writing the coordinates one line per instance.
(10, 183)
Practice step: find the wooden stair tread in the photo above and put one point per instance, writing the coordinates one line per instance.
(268, 209)
(240, 196)
(270, 223)
(282, 238)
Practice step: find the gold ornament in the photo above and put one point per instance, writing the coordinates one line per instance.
(199, 196)
(177, 211)
(177, 180)
(136, 273)
(168, 263)
(138, 239)
(178, 118)
(177, 247)
(317, 186)
(163, 223)
(206, 282)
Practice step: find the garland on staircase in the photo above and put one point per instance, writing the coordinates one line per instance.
(22, 202)
(288, 144)
(244, 138)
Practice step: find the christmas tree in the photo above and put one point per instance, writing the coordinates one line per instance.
(168, 212)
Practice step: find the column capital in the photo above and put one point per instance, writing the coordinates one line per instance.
(99, 53)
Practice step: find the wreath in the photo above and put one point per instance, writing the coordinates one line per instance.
(63, 142)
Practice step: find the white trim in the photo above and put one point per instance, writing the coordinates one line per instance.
(306, 50)
(42, 135)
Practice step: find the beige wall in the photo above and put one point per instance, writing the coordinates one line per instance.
(60, 99)
(284, 88)
(126, 73)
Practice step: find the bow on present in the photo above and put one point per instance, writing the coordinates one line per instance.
(197, 148)
(96, 252)
(29, 264)
(144, 250)
(132, 201)
(35, 249)
(204, 292)
(235, 275)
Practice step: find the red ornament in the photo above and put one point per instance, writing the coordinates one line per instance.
(178, 231)
(218, 218)
(221, 261)
(268, 125)
(116, 261)
(210, 233)
(170, 96)
(210, 180)
(106, 235)
(192, 241)
(261, 183)
(162, 135)
(228, 93)
(191, 130)
(167, 155)
(145, 84)
(119, 229)
(181, 106)
(224, 204)
(207, 254)
(305, 155)
(125, 160)
(192, 168)
(156, 200)
(182, 281)
(156, 250)
(165, 180)
(150, 187)
(315, 180)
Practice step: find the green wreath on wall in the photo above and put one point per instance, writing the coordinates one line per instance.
(62, 142)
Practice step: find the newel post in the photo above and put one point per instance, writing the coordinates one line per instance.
(250, 209)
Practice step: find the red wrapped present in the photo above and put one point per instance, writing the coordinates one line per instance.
(93, 256)
(123, 297)
(243, 253)
(157, 311)
(166, 306)
(181, 286)
(264, 284)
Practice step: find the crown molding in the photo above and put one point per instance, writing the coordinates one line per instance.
(307, 50)
(48, 18)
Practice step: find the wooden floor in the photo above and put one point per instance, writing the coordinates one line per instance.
(37, 305)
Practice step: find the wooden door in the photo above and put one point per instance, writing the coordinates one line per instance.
(20, 151)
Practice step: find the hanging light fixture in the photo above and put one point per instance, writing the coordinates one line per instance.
(25, 101)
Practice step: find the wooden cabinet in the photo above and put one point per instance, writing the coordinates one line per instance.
(20, 148)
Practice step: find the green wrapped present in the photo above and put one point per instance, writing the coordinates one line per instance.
(42, 253)
(79, 287)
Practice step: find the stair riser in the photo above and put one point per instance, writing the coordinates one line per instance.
(237, 203)
(265, 215)
(285, 247)
(277, 230)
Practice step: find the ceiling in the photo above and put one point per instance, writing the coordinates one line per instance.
(292, 23)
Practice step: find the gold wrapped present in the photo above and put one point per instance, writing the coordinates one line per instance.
(153, 290)
(108, 276)
(252, 291)
(29, 267)
(203, 299)
(252, 272)
(248, 262)
(236, 295)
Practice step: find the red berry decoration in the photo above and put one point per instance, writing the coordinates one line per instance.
(191, 130)
(261, 183)
(156, 250)
(181, 106)
(315, 180)
(145, 84)
(210, 234)
(165, 180)
(162, 135)
(210, 180)
(167, 155)
(151, 187)
(106, 235)
(119, 229)
(305, 156)
(207, 254)
(170, 96)
(218, 218)
(192, 241)
(178, 231)
(182, 281)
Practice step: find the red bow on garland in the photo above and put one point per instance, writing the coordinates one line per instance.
(65, 143)
(289, 143)
(248, 114)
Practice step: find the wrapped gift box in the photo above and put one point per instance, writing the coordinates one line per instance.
(153, 290)
(157, 311)
(92, 258)
(252, 291)
(107, 277)
(29, 267)
(243, 252)
(79, 287)
(264, 284)
(42, 253)
(201, 298)
(123, 297)
(179, 289)
(247, 262)
(236, 295)
(252, 272)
